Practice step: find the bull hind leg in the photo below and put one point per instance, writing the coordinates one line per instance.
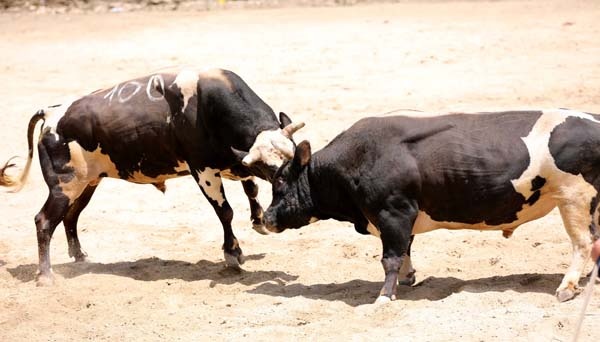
(64, 187)
(256, 211)
(46, 221)
(211, 185)
(70, 223)
(577, 219)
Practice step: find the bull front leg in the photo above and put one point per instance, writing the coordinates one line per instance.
(395, 226)
(256, 211)
(211, 185)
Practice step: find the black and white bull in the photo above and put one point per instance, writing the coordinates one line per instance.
(394, 177)
(209, 124)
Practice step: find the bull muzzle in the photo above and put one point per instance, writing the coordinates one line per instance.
(271, 224)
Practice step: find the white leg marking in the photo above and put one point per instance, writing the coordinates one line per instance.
(211, 183)
(576, 218)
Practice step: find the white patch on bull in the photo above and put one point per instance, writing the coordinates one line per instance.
(211, 183)
(187, 81)
(264, 150)
(373, 230)
(541, 161)
(181, 167)
(216, 74)
(87, 167)
(52, 116)
(560, 188)
(141, 178)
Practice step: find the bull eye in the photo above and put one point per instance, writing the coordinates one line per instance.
(279, 182)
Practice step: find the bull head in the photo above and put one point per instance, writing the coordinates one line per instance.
(272, 147)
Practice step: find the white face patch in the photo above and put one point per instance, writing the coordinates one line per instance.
(187, 81)
(264, 150)
(210, 182)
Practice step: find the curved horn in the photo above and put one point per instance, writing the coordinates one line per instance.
(292, 128)
(251, 158)
(287, 153)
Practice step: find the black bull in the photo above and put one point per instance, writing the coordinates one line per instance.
(208, 124)
(395, 177)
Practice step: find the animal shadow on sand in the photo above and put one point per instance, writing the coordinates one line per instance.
(152, 269)
(358, 292)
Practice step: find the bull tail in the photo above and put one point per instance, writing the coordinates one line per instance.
(16, 182)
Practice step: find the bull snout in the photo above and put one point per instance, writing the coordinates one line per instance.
(271, 223)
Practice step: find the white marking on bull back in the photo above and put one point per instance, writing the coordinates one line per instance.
(216, 74)
(541, 161)
(187, 81)
(210, 183)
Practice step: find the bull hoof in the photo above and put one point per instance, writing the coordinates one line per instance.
(44, 280)
(234, 262)
(381, 300)
(565, 295)
(81, 257)
(260, 228)
(409, 281)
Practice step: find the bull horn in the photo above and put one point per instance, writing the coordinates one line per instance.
(287, 153)
(251, 157)
(292, 128)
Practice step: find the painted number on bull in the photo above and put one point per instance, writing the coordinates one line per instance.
(126, 91)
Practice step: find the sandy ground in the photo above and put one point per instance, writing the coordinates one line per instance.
(156, 270)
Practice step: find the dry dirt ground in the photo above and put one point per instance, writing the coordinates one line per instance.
(156, 269)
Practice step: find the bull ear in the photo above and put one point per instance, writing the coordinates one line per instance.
(302, 154)
(284, 119)
(239, 155)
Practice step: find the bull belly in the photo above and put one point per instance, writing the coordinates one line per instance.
(542, 207)
(90, 166)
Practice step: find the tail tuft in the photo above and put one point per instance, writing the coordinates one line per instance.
(6, 180)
